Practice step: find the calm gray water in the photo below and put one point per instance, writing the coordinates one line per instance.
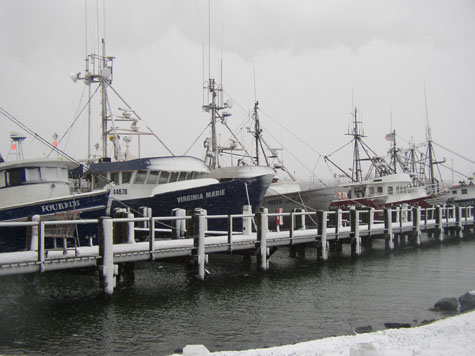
(237, 307)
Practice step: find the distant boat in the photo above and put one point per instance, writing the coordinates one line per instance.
(462, 194)
(242, 169)
(286, 195)
(382, 192)
(382, 187)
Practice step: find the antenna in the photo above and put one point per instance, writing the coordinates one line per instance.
(427, 114)
(222, 44)
(209, 38)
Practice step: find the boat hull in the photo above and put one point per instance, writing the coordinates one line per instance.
(217, 199)
(80, 206)
(375, 203)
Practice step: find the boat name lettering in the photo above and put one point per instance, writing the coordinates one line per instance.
(274, 201)
(199, 196)
(216, 193)
(59, 206)
(190, 197)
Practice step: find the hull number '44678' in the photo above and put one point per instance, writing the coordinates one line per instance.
(119, 191)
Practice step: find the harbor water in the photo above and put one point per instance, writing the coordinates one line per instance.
(237, 307)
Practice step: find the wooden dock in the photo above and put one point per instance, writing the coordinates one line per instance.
(126, 239)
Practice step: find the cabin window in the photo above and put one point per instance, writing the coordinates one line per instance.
(63, 174)
(2, 179)
(99, 181)
(379, 190)
(16, 176)
(390, 190)
(454, 192)
(397, 190)
(115, 177)
(173, 177)
(33, 175)
(371, 190)
(182, 176)
(126, 177)
(164, 175)
(140, 177)
(464, 191)
(49, 173)
(152, 177)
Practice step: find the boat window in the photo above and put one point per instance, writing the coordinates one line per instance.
(140, 177)
(115, 176)
(182, 176)
(126, 177)
(163, 177)
(195, 175)
(2, 179)
(16, 176)
(63, 174)
(454, 192)
(397, 190)
(380, 190)
(99, 181)
(371, 190)
(464, 191)
(33, 175)
(173, 177)
(152, 177)
(390, 190)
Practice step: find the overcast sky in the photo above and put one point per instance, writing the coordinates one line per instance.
(308, 62)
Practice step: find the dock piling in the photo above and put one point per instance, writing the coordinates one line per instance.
(106, 253)
(388, 228)
(199, 223)
(355, 231)
(262, 228)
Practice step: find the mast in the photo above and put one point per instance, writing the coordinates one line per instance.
(104, 102)
(258, 131)
(356, 174)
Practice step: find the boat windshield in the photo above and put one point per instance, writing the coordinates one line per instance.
(19, 176)
(142, 177)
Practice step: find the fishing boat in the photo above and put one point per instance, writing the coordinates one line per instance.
(285, 195)
(246, 166)
(382, 186)
(462, 193)
(382, 192)
(41, 187)
(160, 183)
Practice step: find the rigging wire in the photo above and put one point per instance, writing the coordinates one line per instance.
(455, 153)
(36, 135)
(76, 118)
(199, 136)
(133, 111)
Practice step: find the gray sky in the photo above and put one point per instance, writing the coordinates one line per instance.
(309, 63)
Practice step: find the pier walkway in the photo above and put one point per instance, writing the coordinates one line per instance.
(129, 239)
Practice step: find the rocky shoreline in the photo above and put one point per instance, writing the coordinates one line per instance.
(462, 304)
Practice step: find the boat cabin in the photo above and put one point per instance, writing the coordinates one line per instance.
(146, 171)
(24, 181)
(395, 184)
